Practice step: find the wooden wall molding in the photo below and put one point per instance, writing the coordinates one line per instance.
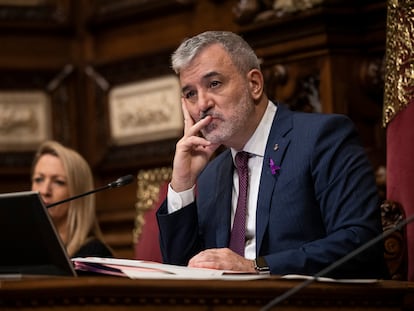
(49, 15)
(106, 13)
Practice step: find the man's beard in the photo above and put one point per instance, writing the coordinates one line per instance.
(219, 131)
(208, 133)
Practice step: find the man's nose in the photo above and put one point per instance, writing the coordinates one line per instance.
(205, 102)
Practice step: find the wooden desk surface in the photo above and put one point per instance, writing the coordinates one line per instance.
(113, 293)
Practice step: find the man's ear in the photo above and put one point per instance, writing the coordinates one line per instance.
(255, 79)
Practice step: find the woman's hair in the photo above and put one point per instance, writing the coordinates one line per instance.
(240, 52)
(82, 222)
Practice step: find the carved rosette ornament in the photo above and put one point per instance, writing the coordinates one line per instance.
(399, 64)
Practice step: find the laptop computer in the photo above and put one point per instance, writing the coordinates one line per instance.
(29, 242)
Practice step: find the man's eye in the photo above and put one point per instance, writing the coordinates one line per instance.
(214, 84)
(189, 94)
(37, 180)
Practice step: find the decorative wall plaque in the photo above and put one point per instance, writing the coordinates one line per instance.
(24, 120)
(145, 111)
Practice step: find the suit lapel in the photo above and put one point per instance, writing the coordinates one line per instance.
(276, 147)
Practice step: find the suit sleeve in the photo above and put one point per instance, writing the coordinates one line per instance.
(179, 238)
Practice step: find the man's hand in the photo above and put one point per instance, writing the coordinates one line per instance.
(222, 259)
(192, 153)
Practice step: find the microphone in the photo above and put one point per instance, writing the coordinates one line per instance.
(337, 263)
(121, 181)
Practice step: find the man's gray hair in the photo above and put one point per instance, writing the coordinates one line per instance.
(240, 52)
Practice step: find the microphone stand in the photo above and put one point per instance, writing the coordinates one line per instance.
(336, 264)
(78, 196)
(118, 183)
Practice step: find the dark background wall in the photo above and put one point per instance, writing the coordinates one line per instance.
(327, 58)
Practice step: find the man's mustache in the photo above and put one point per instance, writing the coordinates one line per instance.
(204, 114)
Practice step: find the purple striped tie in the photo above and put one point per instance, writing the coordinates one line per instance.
(238, 233)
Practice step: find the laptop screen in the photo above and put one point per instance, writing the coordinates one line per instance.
(29, 242)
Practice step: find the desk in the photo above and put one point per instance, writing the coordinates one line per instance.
(121, 294)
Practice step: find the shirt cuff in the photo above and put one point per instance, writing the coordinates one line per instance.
(177, 200)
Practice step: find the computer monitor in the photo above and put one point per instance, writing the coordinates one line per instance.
(29, 242)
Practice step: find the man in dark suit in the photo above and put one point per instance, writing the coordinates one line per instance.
(311, 196)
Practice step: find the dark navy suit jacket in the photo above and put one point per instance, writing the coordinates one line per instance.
(318, 207)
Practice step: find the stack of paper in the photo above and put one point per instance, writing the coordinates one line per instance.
(139, 269)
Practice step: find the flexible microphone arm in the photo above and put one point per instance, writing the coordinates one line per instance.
(337, 263)
(121, 181)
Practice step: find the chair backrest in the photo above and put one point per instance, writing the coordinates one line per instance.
(395, 245)
(152, 190)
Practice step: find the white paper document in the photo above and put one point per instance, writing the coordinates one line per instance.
(139, 269)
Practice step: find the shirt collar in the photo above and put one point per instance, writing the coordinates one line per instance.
(256, 145)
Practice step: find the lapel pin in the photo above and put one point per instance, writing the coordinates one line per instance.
(273, 167)
(276, 147)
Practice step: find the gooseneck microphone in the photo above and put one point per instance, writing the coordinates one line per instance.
(121, 181)
(337, 263)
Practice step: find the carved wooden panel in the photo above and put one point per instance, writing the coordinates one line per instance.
(295, 85)
(395, 244)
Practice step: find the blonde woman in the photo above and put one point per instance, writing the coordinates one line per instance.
(57, 173)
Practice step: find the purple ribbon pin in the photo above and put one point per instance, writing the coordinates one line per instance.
(273, 167)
